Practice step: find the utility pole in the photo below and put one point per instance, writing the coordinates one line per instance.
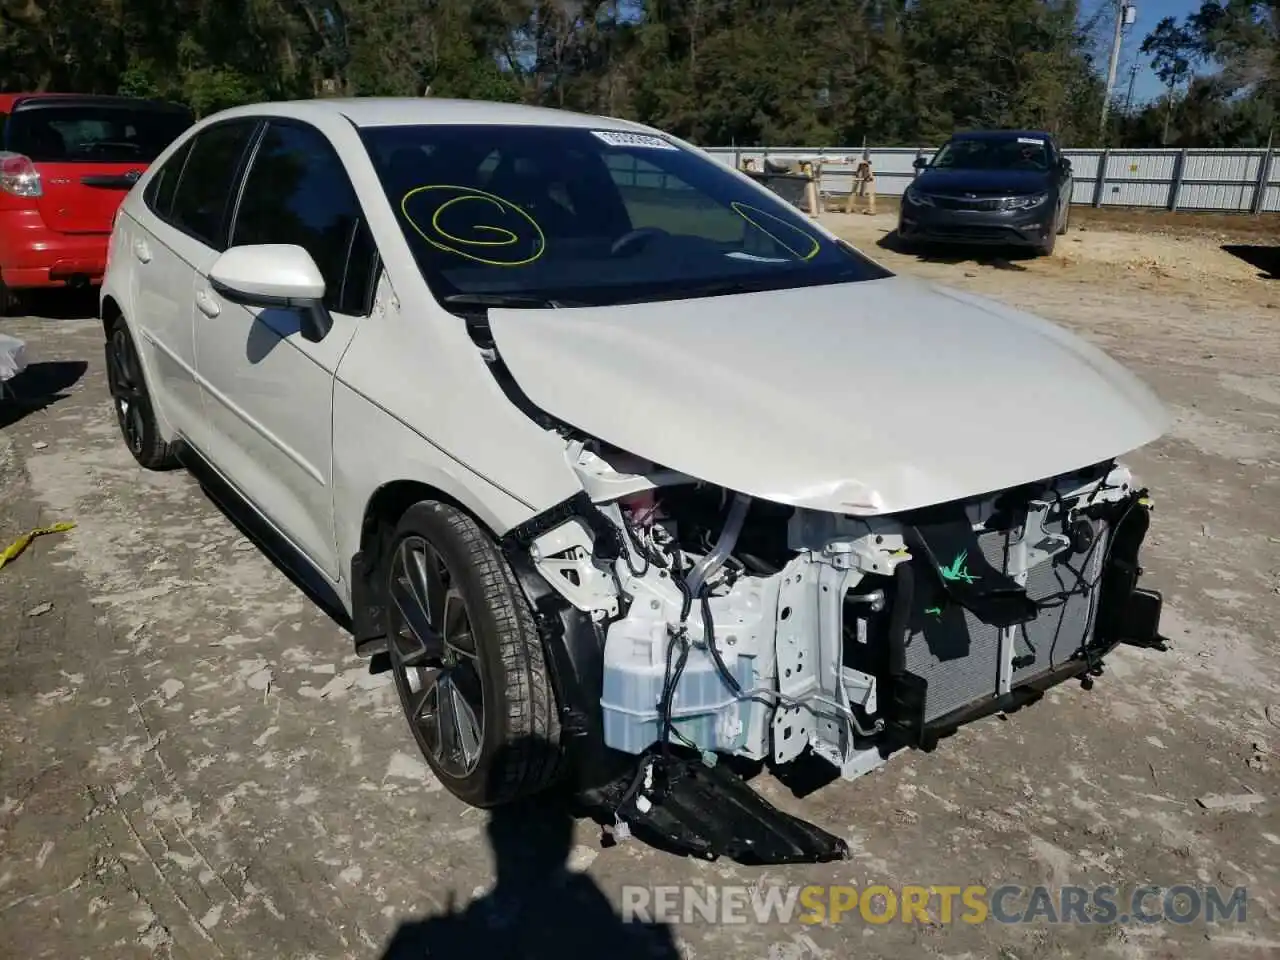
(1126, 14)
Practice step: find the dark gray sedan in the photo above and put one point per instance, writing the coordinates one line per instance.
(990, 187)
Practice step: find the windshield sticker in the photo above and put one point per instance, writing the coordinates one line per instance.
(473, 224)
(1038, 143)
(620, 138)
(802, 245)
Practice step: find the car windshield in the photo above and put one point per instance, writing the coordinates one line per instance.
(534, 216)
(94, 133)
(994, 153)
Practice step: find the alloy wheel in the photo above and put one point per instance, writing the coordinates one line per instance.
(434, 658)
(124, 379)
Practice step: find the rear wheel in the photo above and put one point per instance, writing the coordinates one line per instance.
(467, 659)
(134, 412)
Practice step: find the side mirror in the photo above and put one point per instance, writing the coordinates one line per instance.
(1065, 164)
(920, 163)
(274, 275)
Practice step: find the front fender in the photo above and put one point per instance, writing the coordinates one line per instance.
(372, 448)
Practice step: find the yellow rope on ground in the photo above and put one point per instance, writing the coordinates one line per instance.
(12, 551)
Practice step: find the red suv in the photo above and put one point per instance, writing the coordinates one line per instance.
(66, 162)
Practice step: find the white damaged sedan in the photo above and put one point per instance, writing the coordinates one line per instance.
(618, 462)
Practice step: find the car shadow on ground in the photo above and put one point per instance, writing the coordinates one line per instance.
(1265, 257)
(997, 258)
(39, 386)
(538, 907)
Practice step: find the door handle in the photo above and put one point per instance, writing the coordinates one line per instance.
(208, 306)
(142, 251)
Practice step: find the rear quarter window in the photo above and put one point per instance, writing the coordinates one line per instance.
(164, 183)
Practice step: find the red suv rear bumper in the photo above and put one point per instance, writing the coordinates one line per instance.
(32, 255)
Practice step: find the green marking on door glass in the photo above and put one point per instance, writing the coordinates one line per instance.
(936, 611)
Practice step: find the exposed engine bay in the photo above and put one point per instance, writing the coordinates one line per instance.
(735, 626)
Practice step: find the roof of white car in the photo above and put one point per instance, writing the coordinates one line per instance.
(409, 111)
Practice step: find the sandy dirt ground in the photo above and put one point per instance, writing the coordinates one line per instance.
(193, 765)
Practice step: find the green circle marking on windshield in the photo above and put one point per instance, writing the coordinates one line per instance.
(755, 215)
(457, 225)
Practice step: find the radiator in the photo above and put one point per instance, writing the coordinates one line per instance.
(959, 656)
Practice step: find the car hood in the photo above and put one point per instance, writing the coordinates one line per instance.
(863, 398)
(982, 182)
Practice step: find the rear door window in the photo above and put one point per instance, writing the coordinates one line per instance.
(205, 190)
(54, 132)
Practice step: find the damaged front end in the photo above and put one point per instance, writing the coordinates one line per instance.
(688, 625)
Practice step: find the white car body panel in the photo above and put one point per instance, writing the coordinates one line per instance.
(414, 401)
(151, 281)
(420, 367)
(865, 398)
(268, 401)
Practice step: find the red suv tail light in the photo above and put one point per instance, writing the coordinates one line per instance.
(19, 176)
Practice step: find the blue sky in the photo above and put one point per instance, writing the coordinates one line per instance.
(1150, 12)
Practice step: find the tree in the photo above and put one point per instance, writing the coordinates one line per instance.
(1241, 39)
(1171, 48)
(771, 72)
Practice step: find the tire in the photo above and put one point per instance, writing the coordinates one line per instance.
(1046, 249)
(8, 300)
(135, 413)
(1066, 218)
(494, 659)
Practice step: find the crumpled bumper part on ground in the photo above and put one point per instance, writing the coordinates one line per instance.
(709, 812)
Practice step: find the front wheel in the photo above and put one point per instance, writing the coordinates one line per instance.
(467, 659)
(1066, 217)
(1046, 248)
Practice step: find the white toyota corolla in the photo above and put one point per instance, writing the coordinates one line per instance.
(623, 463)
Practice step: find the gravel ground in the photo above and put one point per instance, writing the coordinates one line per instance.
(193, 764)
